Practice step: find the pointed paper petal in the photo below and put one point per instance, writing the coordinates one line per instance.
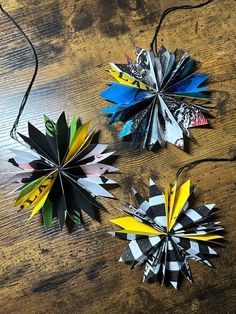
(94, 188)
(132, 224)
(78, 141)
(181, 197)
(73, 127)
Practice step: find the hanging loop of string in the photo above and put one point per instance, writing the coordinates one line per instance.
(153, 44)
(192, 164)
(13, 132)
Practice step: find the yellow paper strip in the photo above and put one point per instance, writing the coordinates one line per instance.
(181, 196)
(39, 204)
(30, 186)
(127, 79)
(202, 237)
(140, 233)
(171, 202)
(167, 203)
(131, 224)
(34, 197)
(79, 138)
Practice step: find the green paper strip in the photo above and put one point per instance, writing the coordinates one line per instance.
(73, 128)
(29, 187)
(76, 217)
(49, 125)
(47, 213)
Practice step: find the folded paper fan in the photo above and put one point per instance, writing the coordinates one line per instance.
(158, 97)
(63, 173)
(165, 231)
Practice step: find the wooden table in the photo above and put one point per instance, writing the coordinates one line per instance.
(79, 272)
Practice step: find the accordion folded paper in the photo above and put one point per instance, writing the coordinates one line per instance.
(158, 97)
(165, 231)
(63, 173)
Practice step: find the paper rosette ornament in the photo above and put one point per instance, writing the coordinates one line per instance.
(165, 231)
(63, 173)
(158, 97)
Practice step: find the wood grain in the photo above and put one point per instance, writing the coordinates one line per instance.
(63, 272)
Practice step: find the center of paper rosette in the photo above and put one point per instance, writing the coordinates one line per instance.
(169, 234)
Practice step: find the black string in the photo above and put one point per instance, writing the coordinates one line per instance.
(190, 165)
(13, 132)
(153, 44)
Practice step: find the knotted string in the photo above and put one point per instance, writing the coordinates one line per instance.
(153, 44)
(192, 164)
(13, 132)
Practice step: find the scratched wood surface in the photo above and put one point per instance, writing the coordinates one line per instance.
(79, 272)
